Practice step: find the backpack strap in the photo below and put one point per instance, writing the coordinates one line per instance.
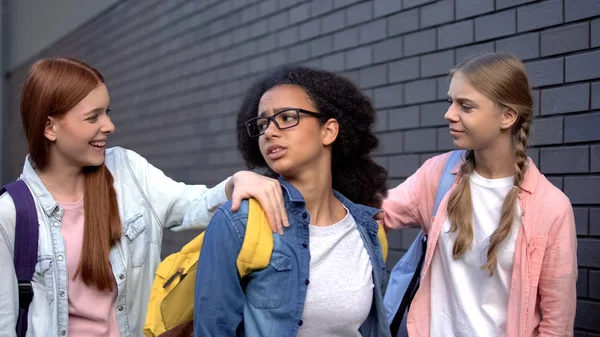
(446, 181)
(257, 247)
(26, 246)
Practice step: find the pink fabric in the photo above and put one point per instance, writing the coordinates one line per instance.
(545, 263)
(91, 312)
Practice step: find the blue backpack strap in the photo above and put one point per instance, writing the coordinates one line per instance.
(406, 275)
(26, 246)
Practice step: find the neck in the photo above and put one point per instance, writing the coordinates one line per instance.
(66, 183)
(316, 188)
(496, 162)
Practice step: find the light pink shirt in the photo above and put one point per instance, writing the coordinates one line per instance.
(542, 297)
(91, 312)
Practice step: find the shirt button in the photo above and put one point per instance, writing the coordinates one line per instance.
(56, 224)
(64, 332)
(120, 308)
(300, 323)
(304, 215)
(121, 277)
(60, 258)
(62, 294)
(307, 281)
(304, 245)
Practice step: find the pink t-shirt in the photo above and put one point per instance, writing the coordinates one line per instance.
(91, 312)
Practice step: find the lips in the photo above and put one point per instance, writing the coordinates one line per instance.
(276, 151)
(99, 144)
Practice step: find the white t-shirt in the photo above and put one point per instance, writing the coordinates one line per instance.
(465, 300)
(340, 292)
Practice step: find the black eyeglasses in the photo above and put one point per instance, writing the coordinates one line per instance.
(283, 120)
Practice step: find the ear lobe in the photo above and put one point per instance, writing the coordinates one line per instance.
(509, 118)
(49, 131)
(330, 131)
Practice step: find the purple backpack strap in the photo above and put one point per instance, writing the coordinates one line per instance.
(26, 246)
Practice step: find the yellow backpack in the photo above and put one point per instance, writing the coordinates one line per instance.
(171, 305)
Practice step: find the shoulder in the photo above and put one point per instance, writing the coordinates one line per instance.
(551, 199)
(226, 220)
(118, 156)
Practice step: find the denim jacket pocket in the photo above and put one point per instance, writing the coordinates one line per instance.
(135, 231)
(266, 287)
(43, 279)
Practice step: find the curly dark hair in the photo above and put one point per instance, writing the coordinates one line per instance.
(354, 173)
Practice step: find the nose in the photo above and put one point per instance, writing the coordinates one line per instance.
(451, 115)
(108, 126)
(272, 130)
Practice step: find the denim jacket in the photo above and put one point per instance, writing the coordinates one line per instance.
(270, 302)
(148, 202)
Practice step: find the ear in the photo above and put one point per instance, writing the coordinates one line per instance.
(49, 129)
(330, 130)
(509, 118)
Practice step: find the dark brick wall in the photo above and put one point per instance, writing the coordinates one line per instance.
(176, 70)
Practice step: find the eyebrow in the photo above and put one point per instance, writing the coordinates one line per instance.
(94, 111)
(275, 111)
(463, 99)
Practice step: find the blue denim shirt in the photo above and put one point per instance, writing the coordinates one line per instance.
(270, 302)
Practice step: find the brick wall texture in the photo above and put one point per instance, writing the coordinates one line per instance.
(176, 71)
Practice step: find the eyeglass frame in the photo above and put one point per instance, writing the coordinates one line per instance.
(272, 119)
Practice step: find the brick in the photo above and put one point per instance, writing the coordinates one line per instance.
(556, 181)
(445, 142)
(572, 159)
(381, 122)
(501, 4)
(469, 8)
(373, 76)
(404, 22)
(344, 3)
(595, 221)
(437, 63)
(259, 63)
(587, 316)
(525, 46)
(372, 31)
(569, 98)
(267, 7)
(332, 22)
(419, 42)
(391, 142)
(404, 118)
(403, 165)
(321, 46)
(351, 75)
(595, 158)
(432, 114)
(495, 25)
(421, 140)
(582, 283)
(415, 3)
(581, 9)
(345, 39)
(388, 96)
(594, 281)
(540, 15)
(404, 70)
(565, 39)
(546, 131)
(545, 72)
(474, 50)
(300, 13)
(334, 62)
(420, 91)
(582, 128)
(443, 83)
(321, 7)
(583, 66)
(455, 34)
(583, 190)
(278, 58)
(534, 154)
(359, 13)
(437, 13)
(386, 7)
(288, 36)
(278, 21)
(389, 49)
(267, 43)
(310, 29)
(536, 94)
(595, 28)
(299, 52)
(359, 57)
(582, 220)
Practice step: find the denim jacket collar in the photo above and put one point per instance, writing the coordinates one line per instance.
(31, 177)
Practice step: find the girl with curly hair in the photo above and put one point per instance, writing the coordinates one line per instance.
(312, 130)
(502, 250)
